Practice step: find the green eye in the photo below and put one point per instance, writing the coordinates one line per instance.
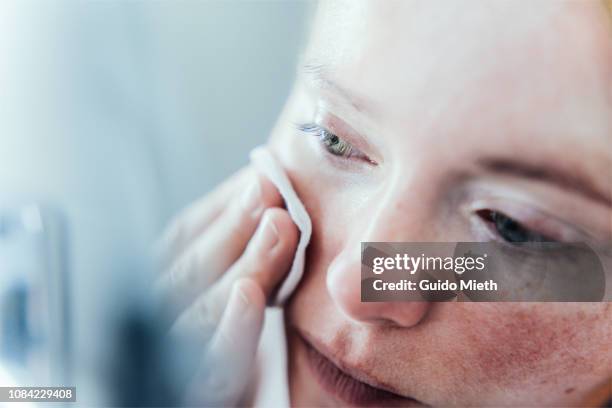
(331, 142)
(335, 145)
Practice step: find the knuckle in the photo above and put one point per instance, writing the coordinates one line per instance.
(172, 237)
(181, 270)
(207, 314)
(252, 206)
(259, 193)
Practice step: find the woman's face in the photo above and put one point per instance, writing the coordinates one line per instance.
(443, 109)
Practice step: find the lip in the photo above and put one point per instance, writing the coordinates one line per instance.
(347, 384)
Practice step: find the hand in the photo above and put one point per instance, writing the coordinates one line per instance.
(222, 259)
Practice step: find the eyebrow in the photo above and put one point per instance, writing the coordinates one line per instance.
(574, 181)
(319, 76)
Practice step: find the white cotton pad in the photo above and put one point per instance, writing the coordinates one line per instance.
(266, 163)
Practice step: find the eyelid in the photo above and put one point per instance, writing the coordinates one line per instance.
(533, 219)
(590, 222)
(340, 128)
(536, 211)
(322, 134)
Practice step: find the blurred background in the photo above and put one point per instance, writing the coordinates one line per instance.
(113, 116)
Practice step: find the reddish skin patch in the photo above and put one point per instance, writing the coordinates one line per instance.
(531, 338)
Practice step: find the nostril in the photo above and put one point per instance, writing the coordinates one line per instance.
(407, 314)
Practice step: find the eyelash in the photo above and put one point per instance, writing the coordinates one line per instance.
(509, 230)
(334, 144)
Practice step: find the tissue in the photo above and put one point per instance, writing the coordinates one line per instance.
(266, 163)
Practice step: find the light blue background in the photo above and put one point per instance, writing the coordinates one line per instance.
(119, 113)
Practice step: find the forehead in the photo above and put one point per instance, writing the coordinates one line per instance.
(546, 65)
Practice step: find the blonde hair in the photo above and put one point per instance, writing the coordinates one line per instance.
(608, 4)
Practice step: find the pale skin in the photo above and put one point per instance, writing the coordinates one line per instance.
(453, 107)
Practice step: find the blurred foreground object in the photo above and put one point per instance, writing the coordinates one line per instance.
(34, 295)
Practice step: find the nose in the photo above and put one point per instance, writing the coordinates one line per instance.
(344, 286)
(395, 217)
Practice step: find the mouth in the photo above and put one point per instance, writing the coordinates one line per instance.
(349, 385)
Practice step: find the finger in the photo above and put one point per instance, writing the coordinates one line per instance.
(194, 219)
(229, 357)
(219, 246)
(266, 261)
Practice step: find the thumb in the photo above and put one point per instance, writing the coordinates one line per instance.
(226, 367)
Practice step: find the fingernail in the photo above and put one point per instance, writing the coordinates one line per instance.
(251, 198)
(242, 302)
(266, 236)
(242, 305)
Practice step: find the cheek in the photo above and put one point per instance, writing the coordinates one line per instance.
(333, 228)
(310, 179)
(329, 221)
(511, 343)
